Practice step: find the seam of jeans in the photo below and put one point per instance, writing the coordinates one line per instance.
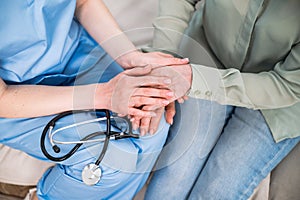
(264, 169)
(208, 130)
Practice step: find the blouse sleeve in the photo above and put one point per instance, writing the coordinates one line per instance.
(266, 90)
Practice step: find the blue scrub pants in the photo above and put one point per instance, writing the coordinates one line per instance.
(215, 152)
(127, 163)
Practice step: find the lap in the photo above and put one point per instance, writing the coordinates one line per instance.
(227, 146)
(197, 127)
(244, 154)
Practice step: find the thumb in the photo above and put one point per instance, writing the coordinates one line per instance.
(170, 112)
(139, 71)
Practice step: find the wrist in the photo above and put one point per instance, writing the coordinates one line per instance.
(127, 60)
(102, 97)
(189, 74)
(189, 77)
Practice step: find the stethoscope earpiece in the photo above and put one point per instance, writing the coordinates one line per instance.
(56, 149)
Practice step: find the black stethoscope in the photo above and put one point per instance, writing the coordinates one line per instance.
(91, 173)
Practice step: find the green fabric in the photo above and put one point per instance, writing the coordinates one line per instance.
(255, 45)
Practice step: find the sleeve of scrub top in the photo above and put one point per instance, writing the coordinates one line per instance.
(173, 19)
(266, 90)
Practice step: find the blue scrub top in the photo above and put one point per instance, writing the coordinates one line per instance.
(38, 38)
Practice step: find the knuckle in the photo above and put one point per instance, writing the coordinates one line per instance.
(133, 112)
(149, 108)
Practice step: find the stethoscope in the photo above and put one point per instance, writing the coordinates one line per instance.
(92, 172)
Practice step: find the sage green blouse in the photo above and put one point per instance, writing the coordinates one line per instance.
(256, 46)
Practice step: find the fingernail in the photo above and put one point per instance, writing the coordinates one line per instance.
(186, 59)
(170, 94)
(143, 132)
(168, 81)
(165, 102)
(171, 122)
(151, 131)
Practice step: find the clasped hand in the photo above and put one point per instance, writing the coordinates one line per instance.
(181, 78)
(144, 92)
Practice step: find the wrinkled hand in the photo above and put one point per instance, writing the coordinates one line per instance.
(149, 92)
(130, 90)
(156, 59)
(181, 76)
(181, 80)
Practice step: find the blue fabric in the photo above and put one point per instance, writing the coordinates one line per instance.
(222, 152)
(125, 167)
(41, 43)
(37, 38)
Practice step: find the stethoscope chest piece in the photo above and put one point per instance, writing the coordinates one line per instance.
(91, 174)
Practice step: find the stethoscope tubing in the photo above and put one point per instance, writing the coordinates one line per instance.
(91, 173)
(78, 145)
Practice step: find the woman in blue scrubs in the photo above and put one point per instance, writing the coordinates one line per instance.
(49, 64)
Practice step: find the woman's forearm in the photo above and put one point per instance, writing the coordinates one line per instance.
(123, 94)
(100, 24)
(34, 100)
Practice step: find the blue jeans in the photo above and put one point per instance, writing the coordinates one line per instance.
(215, 152)
(127, 163)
